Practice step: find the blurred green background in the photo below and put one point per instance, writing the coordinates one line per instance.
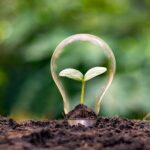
(29, 33)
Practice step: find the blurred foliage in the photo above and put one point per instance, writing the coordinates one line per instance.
(29, 33)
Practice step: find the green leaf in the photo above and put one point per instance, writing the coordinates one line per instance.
(71, 73)
(93, 72)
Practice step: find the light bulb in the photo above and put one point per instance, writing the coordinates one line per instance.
(75, 74)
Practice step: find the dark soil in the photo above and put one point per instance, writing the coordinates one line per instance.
(81, 112)
(107, 134)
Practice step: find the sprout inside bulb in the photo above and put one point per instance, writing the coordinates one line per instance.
(75, 74)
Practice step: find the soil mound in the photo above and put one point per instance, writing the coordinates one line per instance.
(81, 111)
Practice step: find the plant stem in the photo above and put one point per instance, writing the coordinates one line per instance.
(82, 92)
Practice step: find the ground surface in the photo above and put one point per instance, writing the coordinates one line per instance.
(107, 134)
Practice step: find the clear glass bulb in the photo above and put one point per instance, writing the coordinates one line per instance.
(111, 67)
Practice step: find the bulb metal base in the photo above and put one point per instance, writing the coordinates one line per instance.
(85, 122)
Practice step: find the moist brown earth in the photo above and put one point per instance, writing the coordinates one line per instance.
(81, 112)
(107, 134)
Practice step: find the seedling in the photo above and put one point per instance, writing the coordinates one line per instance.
(77, 75)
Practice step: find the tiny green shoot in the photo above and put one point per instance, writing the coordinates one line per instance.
(77, 75)
(147, 117)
